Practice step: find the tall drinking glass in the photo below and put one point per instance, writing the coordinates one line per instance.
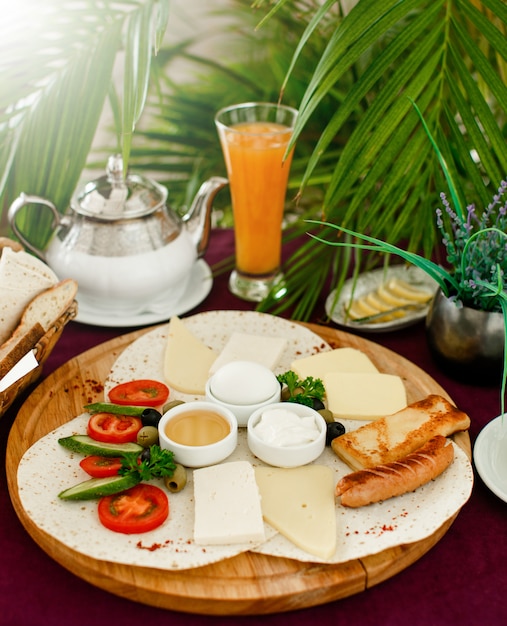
(254, 137)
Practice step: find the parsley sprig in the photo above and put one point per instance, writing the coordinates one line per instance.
(302, 391)
(157, 464)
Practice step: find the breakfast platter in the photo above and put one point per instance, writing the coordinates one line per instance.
(272, 577)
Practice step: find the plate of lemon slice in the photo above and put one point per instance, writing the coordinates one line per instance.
(382, 300)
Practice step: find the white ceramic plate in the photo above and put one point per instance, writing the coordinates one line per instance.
(490, 456)
(369, 281)
(198, 288)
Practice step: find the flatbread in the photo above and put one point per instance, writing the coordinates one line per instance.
(361, 532)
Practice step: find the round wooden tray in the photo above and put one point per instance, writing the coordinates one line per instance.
(248, 584)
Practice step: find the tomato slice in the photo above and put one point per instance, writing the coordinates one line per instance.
(143, 392)
(136, 510)
(101, 466)
(111, 428)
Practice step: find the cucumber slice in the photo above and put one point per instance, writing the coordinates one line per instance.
(117, 409)
(87, 446)
(99, 487)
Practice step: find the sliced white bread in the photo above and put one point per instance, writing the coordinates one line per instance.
(43, 311)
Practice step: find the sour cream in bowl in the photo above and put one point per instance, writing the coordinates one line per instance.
(286, 434)
(243, 387)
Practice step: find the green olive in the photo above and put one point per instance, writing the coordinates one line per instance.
(171, 404)
(327, 415)
(147, 436)
(178, 480)
(285, 394)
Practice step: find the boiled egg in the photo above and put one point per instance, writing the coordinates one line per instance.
(243, 383)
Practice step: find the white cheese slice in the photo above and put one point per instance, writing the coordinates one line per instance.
(364, 396)
(300, 504)
(244, 347)
(227, 505)
(338, 360)
(187, 360)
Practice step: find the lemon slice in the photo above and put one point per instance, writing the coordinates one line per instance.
(361, 308)
(403, 290)
(391, 298)
(375, 300)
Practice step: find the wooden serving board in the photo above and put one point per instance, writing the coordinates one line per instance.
(248, 584)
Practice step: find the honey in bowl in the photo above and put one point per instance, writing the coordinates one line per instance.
(198, 427)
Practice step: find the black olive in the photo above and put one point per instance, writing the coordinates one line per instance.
(317, 405)
(150, 417)
(334, 429)
(145, 455)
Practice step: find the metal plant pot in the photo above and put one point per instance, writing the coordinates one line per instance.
(466, 343)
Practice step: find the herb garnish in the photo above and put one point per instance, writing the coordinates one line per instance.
(302, 391)
(157, 463)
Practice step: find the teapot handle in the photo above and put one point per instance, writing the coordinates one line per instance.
(22, 200)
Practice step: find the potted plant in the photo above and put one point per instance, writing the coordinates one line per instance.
(467, 321)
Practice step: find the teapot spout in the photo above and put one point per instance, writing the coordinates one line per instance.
(198, 219)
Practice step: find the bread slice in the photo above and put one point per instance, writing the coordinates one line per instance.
(22, 278)
(13, 351)
(43, 311)
(390, 438)
(50, 304)
(5, 242)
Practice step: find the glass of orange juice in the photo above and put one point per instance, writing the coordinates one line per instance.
(254, 137)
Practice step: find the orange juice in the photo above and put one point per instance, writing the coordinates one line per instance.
(254, 155)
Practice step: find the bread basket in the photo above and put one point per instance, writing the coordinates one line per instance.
(51, 327)
(42, 350)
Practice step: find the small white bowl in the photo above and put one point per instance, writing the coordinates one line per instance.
(289, 455)
(245, 380)
(195, 455)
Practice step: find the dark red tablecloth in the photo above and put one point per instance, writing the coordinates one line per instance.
(462, 580)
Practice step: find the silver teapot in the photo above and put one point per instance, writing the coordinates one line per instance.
(128, 251)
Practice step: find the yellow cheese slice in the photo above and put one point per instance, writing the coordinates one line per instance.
(339, 360)
(187, 360)
(364, 396)
(300, 503)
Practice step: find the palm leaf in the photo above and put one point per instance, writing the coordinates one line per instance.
(59, 66)
(435, 53)
(363, 158)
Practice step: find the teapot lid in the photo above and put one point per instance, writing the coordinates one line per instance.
(113, 196)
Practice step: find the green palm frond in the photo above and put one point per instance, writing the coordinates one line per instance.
(449, 58)
(57, 62)
(363, 159)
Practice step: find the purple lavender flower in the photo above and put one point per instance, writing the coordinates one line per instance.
(476, 248)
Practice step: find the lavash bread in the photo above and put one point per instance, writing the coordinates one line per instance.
(394, 479)
(393, 437)
(22, 277)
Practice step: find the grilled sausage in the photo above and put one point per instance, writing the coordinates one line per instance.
(394, 479)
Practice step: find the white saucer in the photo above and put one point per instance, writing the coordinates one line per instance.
(490, 464)
(198, 288)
